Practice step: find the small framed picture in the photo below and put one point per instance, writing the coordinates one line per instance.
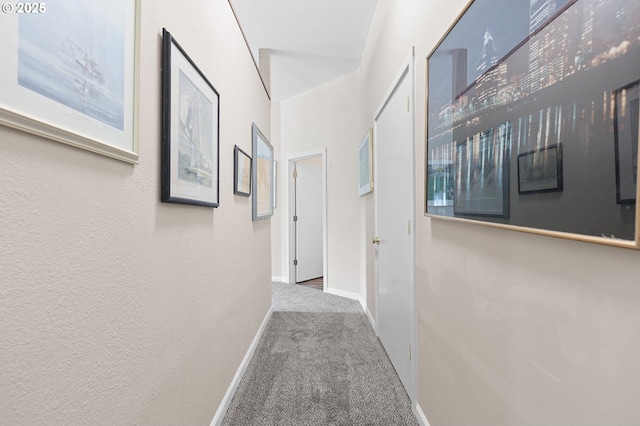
(262, 175)
(626, 142)
(540, 170)
(241, 172)
(190, 130)
(365, 154)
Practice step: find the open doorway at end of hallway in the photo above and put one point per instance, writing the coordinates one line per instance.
(308, 220)
(315, 283)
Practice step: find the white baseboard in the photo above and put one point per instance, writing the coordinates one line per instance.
(354, 296)
(371, 320)
(422, 419)
(348, 294)
(224, 405)
(363, 303)
(280, 280)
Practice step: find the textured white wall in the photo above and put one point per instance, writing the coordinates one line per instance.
(116, 308)
(513, 328)
(279, 266)
(328, 117)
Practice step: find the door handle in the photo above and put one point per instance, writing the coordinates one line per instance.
(376, 240)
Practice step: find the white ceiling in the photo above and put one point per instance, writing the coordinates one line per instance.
(312, 42)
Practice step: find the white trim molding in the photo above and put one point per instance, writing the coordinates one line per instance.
(422, 419)
(372, 321)
(353, 296)
(224, 405)
(343, 293)
(357, 297)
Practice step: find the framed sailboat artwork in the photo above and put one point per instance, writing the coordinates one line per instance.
(70, 73)
(190, 130)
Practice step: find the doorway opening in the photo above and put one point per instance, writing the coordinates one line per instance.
(308, 218)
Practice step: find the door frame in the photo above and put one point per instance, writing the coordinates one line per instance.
(408, 69)
(292, 235)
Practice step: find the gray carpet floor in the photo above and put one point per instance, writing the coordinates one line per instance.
(297, 298)
(318, 363)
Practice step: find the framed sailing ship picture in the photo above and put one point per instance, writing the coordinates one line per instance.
(69, 73)
(190, 130)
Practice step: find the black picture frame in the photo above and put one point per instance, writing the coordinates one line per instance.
(262, 177)
(241, 172)
(626, 117)
(540, 170)
(190, 130)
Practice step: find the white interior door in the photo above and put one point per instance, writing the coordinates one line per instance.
(308, 219)
(394, 209)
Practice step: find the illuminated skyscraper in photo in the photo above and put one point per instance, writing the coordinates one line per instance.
(540, 11)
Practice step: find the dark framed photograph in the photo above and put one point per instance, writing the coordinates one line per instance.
(241, 172)
(190, 130)
(70, 73)
(482, 169)
(262, 175)
(626, 142)
(540, 170)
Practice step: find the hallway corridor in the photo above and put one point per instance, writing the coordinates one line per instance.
(318, 363)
